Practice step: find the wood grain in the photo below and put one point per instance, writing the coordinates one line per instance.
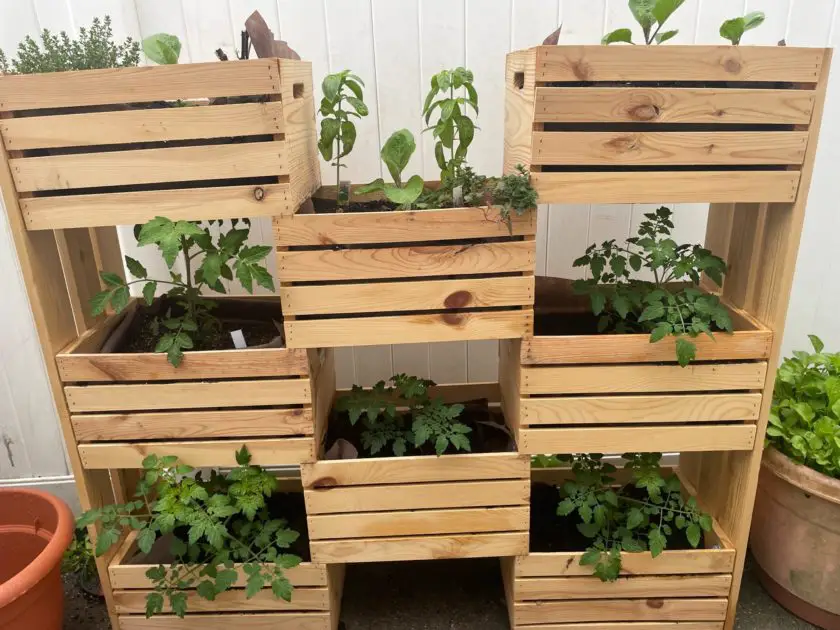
(691, 561)
(653, 609)
(248, 621)
(536, 589)
(234, 600)
(623, 625)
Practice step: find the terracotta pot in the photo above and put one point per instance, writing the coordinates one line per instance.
(35, 529)
(795, 538)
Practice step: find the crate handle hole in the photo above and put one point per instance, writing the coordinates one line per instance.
(297, 90)
(519, 80)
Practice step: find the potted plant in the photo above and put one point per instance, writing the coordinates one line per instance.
(636, 540)
(408, 260)
(411, 471)
(792, 538)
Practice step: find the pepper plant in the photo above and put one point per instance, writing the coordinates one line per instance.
(670, 305)
(189, 320)
(651, 16)
(212, 525)
(734, 29)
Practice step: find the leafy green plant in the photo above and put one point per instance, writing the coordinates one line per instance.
(671, 304)
(634, 518)
(192, 322)
(79, 559)
(396, 153)
(402, 413)
(454, 129)
(651, 16)
(734, 29)
(805, 416)
(513, 193)
(338, 132)
(212, 524)
(94, 48)
(162, 48)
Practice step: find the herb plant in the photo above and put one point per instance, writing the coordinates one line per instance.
(805, 416)
(403, 414)
(338, 132)
(734, 29)
(94, 48)
(162, 48)
(212, 523)
(454, 130)
(671, 304)
(396, 153)
(79, 559)
(651, 16)
(635, 518)
(192, 322)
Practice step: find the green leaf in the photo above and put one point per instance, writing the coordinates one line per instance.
(149, 290)
(654, 311)
(358, 105)
(599, 301)
(656, 542)
(112, 279)
(662, 329)
(642, 11)
(441, 443)
(623, 35)
(105, 540)
(590, 558)
(733, 30)
(206, 590)
(634, 518)
(686, 351)
(663, 9)
(255, 584)
(693, 534)
(211, 267)
(243, 456)
(407, 195)
(376, 185)
(330, 128)
(566, 507)
(817, 343)
(397, 151)
(99, 302)
(282, 588)
(752, 20)
(145, 539)
(348, 137)
(135, 268)
(331, 86)
(178, 603)
(661, 38)
(162, 48)
(154, 604)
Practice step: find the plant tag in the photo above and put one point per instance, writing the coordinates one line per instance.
(458, 196)
(238, 339)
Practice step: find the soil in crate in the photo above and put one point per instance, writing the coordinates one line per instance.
(329, 206)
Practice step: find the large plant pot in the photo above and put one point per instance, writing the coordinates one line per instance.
(35, 529)
(795, 538)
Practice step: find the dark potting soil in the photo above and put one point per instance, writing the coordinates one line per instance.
(551, 533)
(328, 206)
(483, 438)
(82, 611)
(558, 324)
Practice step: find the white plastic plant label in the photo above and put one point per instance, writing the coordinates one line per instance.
(238, 339)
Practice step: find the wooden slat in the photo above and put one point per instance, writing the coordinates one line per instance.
(622, 439)
(535, 589)
(397, 227)
(146, 83)
(636, 348)
(421, 496)
(217, 453)
(655, 609)
(419, 328)
(677, 186)
(648, 409)
(623, 625)
(668, 148)
(127, 208)
(673, 105)
(567, 564)
(421, 547)
(122, 367)
(617, 379)
(418, 469)
(416, 523)
(289, 391)
(407, 296)
(405, 262)
(142, 125)
(180, 425)
(149, 166)
(248, 621)
(678, 63)
(134, 602)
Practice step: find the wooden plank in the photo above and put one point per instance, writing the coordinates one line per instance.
(622, 439)
(417, 469)
(677, 186)
(145, 83)
(520, 70)
(407, 296)
(416, 328)
(248, 621)
(341, 500)
(622, 625)
(149, 166)
(654, 609)
(297, 96)
(637, 348)
(126, 208)
(134, 602)
(397, 227)
(181, 425)
(668, 148)
(142, 125)
(673, 105)
(679, 63)
(421, 547)
(210, 453)
(288, 391)
(416, 523)
(406, 262)
(210, 364)
(617, 379)
(654, 409)
(530, 589)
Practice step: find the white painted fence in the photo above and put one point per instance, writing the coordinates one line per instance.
(396, 46)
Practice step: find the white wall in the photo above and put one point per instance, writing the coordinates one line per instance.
(396, 45)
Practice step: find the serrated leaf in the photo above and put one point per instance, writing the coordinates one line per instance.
(145, 539)
(686, 351)
(135, 268)
(154, 604)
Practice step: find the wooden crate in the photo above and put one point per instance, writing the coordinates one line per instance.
(363, 278)
(678, 590)
(124, 406)
(628, 124)
(315, 605)
(419, 508)
(112, 147)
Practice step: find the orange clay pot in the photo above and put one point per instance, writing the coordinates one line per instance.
(35, 529)
(795, 538)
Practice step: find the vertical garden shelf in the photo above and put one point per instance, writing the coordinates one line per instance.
(736, 127)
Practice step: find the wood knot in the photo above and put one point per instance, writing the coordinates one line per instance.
(324, 483)
(655, 603)
(581, 70)
(453, 319)
(644, 112)
(623, 144)
(259, 193)
(732, 66)
(459, 299)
